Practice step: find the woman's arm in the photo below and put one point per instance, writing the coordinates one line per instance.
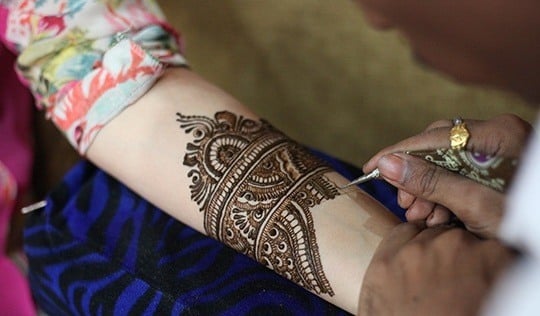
(188, 147)
(205, 159)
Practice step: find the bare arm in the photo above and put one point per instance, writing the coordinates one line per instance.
(208, 161)
(188, 147)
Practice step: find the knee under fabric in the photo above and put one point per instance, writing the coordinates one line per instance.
(98, 248)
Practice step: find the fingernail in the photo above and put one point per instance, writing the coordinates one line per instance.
(392, 167)
(429, 220)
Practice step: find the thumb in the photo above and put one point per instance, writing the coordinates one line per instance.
(468, 200)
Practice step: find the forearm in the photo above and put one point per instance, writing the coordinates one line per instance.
(250, 186)
(270, 199)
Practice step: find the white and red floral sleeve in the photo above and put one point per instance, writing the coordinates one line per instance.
(87, 60)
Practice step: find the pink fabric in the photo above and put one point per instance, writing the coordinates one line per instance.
(86, 62)
(15, 122)
(15, 172)
(3, 21)
(14, 292)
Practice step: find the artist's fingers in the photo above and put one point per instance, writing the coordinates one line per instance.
(399, 236)
(405, 200)
(478, 206)
(439, 216)
(419, 210)
(432, 139)
(406, 233)
(423, 210)
(505, 135)
(439, 124)
(447, 124)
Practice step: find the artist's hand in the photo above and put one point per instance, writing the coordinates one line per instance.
(436, 271)
(432, 193)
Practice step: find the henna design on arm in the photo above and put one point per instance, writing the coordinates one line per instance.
(256, 189)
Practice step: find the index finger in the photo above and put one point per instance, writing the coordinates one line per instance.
(487, 137)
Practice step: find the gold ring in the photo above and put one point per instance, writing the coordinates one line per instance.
(459, 135)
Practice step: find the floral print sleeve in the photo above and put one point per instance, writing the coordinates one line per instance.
(87, 60)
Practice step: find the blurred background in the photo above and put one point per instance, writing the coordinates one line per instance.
(314, 69)
(318, 72)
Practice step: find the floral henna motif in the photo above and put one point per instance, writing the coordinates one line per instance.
(256, 188)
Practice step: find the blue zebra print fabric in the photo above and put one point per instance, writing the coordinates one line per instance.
(100, 249)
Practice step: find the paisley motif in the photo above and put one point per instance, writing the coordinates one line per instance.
(256, 188)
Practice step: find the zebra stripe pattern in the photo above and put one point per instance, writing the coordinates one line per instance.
(100, 249)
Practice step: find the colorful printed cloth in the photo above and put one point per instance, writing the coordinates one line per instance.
(87, 60)
(84, 61)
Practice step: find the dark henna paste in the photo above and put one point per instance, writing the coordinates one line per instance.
(256, 188)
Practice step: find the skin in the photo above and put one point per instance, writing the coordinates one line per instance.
(255, 195)
(408, 284)
(492, 43)
(143, 147)
(424, 188)
(482, 42)
(207, 160)
(443, 34)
